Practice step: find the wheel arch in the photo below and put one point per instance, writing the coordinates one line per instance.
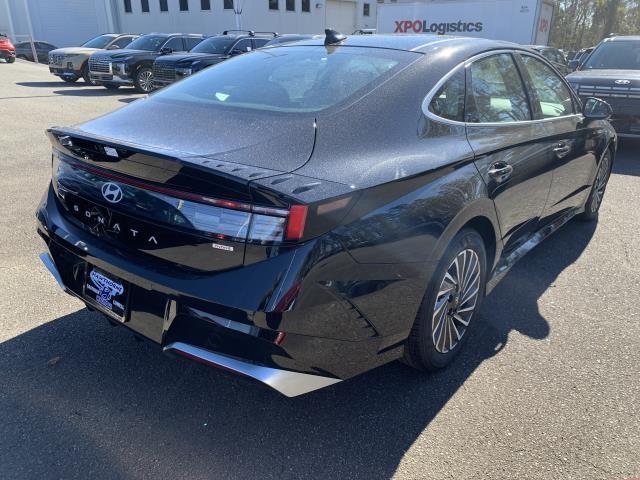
(481, 217)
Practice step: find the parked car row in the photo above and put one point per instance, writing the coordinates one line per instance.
(151, 61)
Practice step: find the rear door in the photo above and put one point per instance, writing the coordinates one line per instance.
(511, 149)
(571, 144)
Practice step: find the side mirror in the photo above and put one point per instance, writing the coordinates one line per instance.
(166, 50)
(574, 64)
(596, 109)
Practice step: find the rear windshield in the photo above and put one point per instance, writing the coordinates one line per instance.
(99, 42)
(289, 79)
(214, 45)
(151, 43)
(619, 55)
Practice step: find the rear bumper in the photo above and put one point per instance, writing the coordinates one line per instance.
(263, 321)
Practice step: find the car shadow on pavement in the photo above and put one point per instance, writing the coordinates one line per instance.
(630, 148)
(81, 399)
(52, 84)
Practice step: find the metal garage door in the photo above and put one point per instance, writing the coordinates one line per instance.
(341, 15)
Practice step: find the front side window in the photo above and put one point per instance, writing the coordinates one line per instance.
(448, 102)
(291, 80)
(497, 94)
(260, 42)
(553, 95)
(122, 42)
(191, 42)
(618, 55)
(243, 45)
(175, 44)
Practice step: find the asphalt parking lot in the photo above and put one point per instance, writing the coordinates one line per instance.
(549, 387)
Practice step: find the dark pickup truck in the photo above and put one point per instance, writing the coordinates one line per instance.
(133, 66)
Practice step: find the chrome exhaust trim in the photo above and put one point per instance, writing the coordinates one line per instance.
(286, 382)
(51, 266)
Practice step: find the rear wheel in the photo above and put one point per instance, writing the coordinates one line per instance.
(450, 304)
(11, 59)
(144, 80)
(592, 205)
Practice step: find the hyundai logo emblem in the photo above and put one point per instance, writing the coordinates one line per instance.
(111, 192)
(623, 82)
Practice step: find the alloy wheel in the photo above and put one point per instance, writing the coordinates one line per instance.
(456, 301)
(601, 182)
(145, 80)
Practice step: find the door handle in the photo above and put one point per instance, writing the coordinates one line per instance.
(561, 149)
(500, 171)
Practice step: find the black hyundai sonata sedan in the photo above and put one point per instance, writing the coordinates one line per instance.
(303, 213)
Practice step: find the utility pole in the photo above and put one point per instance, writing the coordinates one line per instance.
(237, 10)
(12, 32)
(30, 27)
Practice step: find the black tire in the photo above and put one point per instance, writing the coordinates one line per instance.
(143, 82)
(85, 75)
(111, 86)
(594, 201)
(11, 59)
(429, 348)
(70, 79)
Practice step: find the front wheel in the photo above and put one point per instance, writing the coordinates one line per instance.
(11, 59)
(85, 75)
(450, 304)
(143, 82)
(593, 203)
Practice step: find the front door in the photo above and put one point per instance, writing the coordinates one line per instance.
(573, 145)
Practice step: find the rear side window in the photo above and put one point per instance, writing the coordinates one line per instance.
(448, 102)
(497, 94)
(552, 94)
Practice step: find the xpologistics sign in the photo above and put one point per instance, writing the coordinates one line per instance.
(422, 26)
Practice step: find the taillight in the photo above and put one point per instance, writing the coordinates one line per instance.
(297, 220)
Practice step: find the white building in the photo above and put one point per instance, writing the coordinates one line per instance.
(71, 22)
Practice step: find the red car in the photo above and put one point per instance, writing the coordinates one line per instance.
(7, 50)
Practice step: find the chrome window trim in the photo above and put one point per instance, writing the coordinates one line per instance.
(464, 65)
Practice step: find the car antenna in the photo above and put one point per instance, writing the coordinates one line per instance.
(332, 37)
